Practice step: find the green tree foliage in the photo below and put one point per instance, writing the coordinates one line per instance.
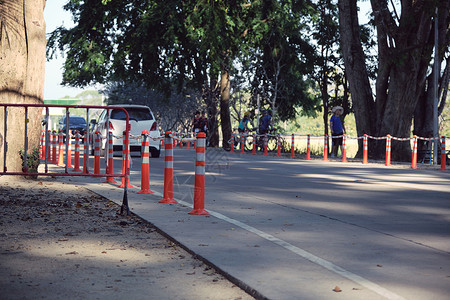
(189, 44)
(282, 57)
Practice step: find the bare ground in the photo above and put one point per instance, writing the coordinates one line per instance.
(61, 241)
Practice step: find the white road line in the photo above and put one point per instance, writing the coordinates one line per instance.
(307, 255)
(303, 253)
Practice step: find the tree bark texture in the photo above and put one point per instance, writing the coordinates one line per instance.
(355, 68)
(225, 87)
(22, 71)
(211, 97)
(404, 53)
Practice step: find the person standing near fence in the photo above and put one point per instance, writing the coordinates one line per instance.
(337, 128)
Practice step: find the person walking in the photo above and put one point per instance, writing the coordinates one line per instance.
(337, 129)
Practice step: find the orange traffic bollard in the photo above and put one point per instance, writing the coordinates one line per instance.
(54, 158)
(60, 150)
(414, 153)
(365, 150)
(145, 166)
(308, 148)
(110, 164)
(278, 145)
(125, 154)
(76, 167)
(168, 170)
(325, 147)
(266, 141)
(232, 143)
(242, 143)
(388, 150)
(344, 148)
(443, 155)
(69, 152)
(254, 145)
(97, 145)
(199, 186)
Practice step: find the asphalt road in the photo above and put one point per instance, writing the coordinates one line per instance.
(296, 229)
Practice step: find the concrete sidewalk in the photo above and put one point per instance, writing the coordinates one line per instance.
(288, 236)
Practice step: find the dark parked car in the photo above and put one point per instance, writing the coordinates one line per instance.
(75, 123)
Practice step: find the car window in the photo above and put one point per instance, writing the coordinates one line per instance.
(78, 121)
(134, 113)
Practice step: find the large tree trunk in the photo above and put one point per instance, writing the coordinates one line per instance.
(211, 98)
(225, 121)
(423, 114)
(22, 63)
(404, 53)
(355, 68)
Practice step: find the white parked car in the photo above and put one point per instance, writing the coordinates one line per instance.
(141, 118)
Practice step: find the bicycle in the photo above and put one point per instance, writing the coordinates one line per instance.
(272, 140)
(248, 140)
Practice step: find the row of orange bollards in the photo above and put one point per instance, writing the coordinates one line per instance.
(344, 149)
(200, 165)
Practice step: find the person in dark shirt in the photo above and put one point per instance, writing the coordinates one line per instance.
(266, 122)
(196, 122)
(337, 129)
